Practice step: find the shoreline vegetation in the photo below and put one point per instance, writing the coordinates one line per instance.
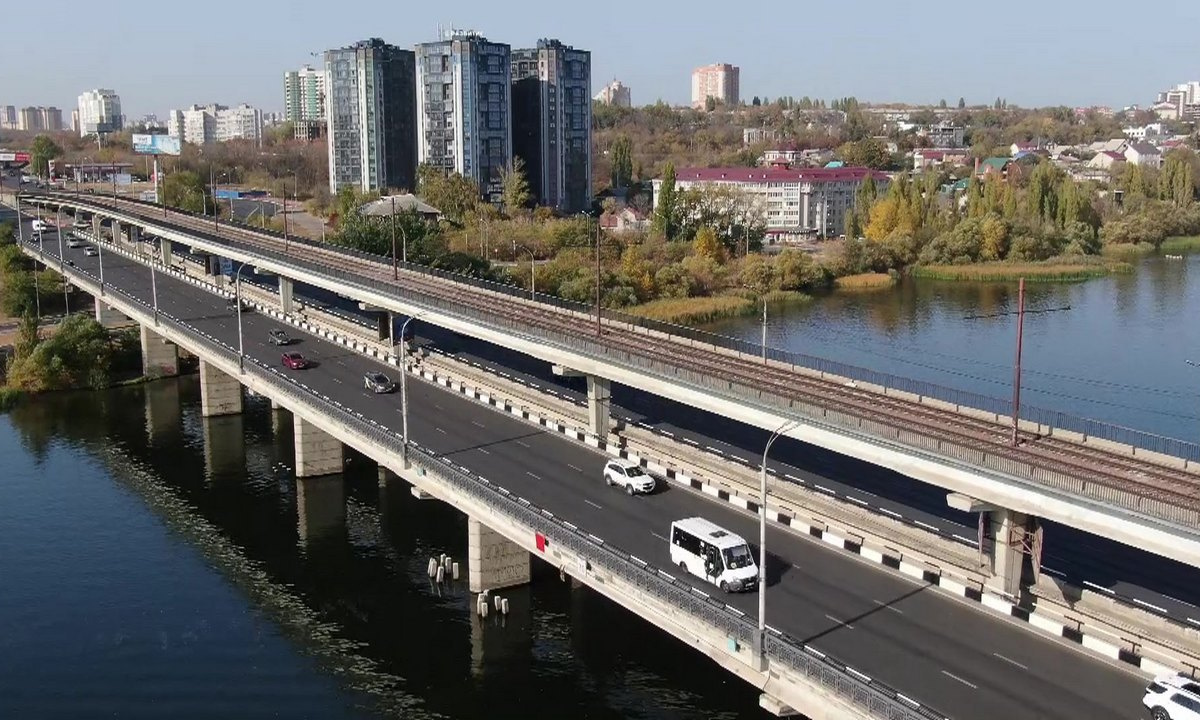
(704, 310)
(1060, 270)
(866, 281)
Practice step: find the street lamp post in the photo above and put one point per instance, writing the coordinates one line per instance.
(532, 269)
(237, 297)
(395, 270)
(154, 288)
(100, 256)
(404, 391)
(761, 637)
(764, 330)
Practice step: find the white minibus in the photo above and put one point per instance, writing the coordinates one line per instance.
(709, 551)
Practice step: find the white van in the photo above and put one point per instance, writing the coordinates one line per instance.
(709, 551)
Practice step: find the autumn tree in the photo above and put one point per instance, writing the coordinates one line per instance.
(622, 161)
(665, 221)
(41, 152)
(454, 195)
(514, 187)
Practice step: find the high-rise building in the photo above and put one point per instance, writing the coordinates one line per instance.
(38, 119)
(370, 112)
(8, 117)
(719, 82)
(616, 94)
(99, 112)
(30, 119)
(464, 97)
(552, 122)
(203, 124)
(51, 118)
(75, 120)
(304, 94)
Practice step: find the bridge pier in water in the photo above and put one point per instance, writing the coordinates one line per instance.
(160, 357)
(224, 446)
(220, 393)
(320, 506)
(493, 561)
(317, 452)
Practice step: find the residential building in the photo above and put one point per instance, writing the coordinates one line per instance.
(552, 123)
(204, 124)
(304, 94)
(994, 167)
(794, 202)
(788, 155)
(721, 82)
(75, 120)
(52, 118)
(754, 136)
(1019, 148)
(99, 112)
(1143, 154)
(1117, 145)
(8, 117)
(615, 94)
(370, 106)
(464, 99)
(1105, 160)
(937, 157)
(626, 219)
(943, 135)
(39, 119)
(1145, 132)
(308, 129)
(29, 119)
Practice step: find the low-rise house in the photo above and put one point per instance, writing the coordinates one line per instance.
(626, 219)
(1143, 154)
(1022, 147)
(1117, 145)
(936, 157)
(1105, 160)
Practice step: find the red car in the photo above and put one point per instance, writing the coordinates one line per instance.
(294, 360)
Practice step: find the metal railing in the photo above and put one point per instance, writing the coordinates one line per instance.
(1176, 508)
(803, 659)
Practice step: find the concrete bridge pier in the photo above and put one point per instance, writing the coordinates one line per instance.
(220, 394)
(493, 561)
(96, 226)
(224, 446)
(320, 506)
(317, 452)
(160, 357)
(134, 237)
(107, 316)
(285, 295)
(599, 392)
(1012, 544)
(162, 410)
(118, 233)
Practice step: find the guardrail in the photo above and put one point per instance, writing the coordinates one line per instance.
(1175, 508)
(876, 697)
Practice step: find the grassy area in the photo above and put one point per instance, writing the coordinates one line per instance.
(864, 281)
(1126, 251)
(1061, 270)
(1180, 245)
(695, 310)
(776, 297)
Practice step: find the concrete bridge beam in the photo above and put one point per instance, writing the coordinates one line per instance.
(493, 561)
(220, 394)
(317, 452)
(160, 357)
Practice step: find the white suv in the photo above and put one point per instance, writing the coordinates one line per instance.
(1173, 697)
(628, 475)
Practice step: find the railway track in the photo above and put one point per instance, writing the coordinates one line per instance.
(1072, 460)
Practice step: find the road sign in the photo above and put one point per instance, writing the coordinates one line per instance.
(226, 266)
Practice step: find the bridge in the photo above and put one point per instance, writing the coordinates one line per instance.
(903, 651)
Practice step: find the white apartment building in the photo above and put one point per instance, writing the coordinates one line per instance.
(616, 94)
(304, 94)
(944, 135)
(795, 203)
(720, 82)
(99, 112)
(204, 124)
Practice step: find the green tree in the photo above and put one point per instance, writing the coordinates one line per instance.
(185, 190)
(514, 187)
(665, 221)
(1176, 183)
(707, 245)
(41, 152)
(868, 152)
(454, 195)
(962, 103)
(622, 162)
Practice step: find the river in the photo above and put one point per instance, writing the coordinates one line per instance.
(145, 577)
(1117, 354)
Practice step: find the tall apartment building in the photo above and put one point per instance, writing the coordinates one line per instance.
(8, 117)
(370, 110)
(47, 119)
(616, 94)
(204, 124)
(304, 94)
(719, 82)
(464, 95)
(99, 112)
(75, 120)
(552, 122)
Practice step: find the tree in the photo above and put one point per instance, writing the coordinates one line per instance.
(454, 195)
(1176, 183)
(869, 152)
(514, 187)
(710, 103)
(665, 210)
(942, 103)
(756, 102)
(185, 190)
(41, 152)
(622, 162)
(962, 103)
(707, 245)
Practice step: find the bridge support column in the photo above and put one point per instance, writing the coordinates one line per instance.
(317, 452)
(96, 227)
(135, 238)
(167, 251)
(285, 295)
(160, 357)
(118, 233)
(162, 411)
(106, 315)
(320, 506)
(599, 392)
(220, 394)
(1012, 542)
(493, 561)
(383, 323)
(224, 447)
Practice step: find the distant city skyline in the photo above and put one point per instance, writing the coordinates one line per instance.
(1029, 53)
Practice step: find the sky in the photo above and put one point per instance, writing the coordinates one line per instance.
(1068, 52)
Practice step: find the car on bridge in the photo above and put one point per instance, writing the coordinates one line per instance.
(377, 382)
(628, 476)
(1173, 697)
(279, 337)
(42, 226)
(74, 241)
(295, 361)
(91, 251)
(707, 550)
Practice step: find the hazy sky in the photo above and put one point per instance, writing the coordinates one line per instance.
(1074, 52)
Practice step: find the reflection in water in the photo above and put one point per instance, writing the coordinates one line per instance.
(329, 599)
(1117, 355)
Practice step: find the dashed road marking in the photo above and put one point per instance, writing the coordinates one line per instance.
(952, 676)
(535, 477)
(1010, 661)
(440, 430)
(523, 444)
(589, 502)
(576, 469)
(887, 606)
(485, 452)
(843, 623)
(477, 424)
(660, 537)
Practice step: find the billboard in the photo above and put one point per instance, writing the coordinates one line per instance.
(20, 157)
(155, 145)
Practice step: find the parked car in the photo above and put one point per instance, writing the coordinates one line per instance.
(1173, 697)
(629, 476)
(295, 361)
(279, 337)
(91, 251)
(377, 382)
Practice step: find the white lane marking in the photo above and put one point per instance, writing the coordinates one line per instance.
(574, 468)
(523, 444)
(535, 477)
(339, 382)
(440, 430)
(840, 622)
(485, 452)
(439, 407)
(1011, 661)
(660, 537)
(477, 424)
(952, 676)
(589, 502)
(886, 606)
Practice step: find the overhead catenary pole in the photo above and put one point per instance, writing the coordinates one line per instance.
(760, 638)
(395, 269)
(1016, 400)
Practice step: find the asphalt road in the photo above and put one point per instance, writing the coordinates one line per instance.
(933, 648)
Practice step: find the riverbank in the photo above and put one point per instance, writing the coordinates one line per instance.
(1049, 271)
(711, 308)
(865, 281)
